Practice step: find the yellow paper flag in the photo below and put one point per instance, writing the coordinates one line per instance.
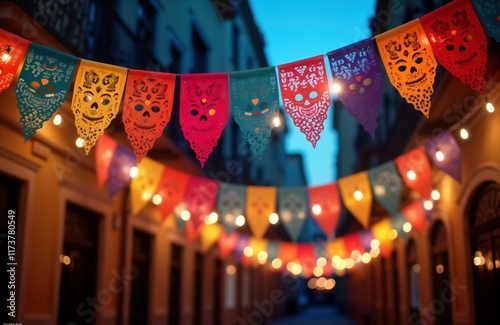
(357, 196)
(97, 94)
(258, 246)
(336, 247)
(260, 203)
(144, 186)
(209, 235)
(382, 231)
(410, 64)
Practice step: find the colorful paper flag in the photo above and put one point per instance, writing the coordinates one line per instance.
(144, 186)
(445, 154)
(12, 53)
(226, 244)
(357, 196)
(416, 171)
(386, 186)
(200, 198)
(172, 187)
(293, 209)
(105, 150)
(325, 206)
(119, 169)
(260, 203)
(209, 235)
(488, 11)
(415, 214)
(230, 205)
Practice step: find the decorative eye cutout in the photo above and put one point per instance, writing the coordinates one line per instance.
(419, 60)
(450, 47)
(194, 112)
(105, 101)
(402, 68)
(313, 94)
(87, 98)
(401, 64)
(467, 38)
(299, 97)
(139, 107)
(35, 84)
(155, 109)
(367, 82)
(248, 110)
(353, 87)
(50, 89)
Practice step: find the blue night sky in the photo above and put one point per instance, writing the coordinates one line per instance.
(295, 30)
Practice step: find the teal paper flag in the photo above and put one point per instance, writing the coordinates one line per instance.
(293, 208)
(230, 204)
(397, 221)
(254, 103)
(386, 186)
(43, 86)
(273, 249)
(488, 12)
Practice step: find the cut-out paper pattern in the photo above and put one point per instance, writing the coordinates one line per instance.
(97, 95)
(143, 187)
(488, 12)
(306, 95)
(209, 236)
(325, 206)
(357, 196)
(147, 108)
(230, 204)
(410, 63)
(105, 150)
(445, 154)
(172, 187)
(293, 209)
(386, 186)
(260, 203)
(12, 52)
(201, 195)
(416, 171)
(254, 103)
(203, 111)
(119, 169)
(458, 41)
(226, 244)
(357, 71)
(42, 86)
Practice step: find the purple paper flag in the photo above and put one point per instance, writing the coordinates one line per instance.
(119, 169)
(241, 243)
(366, 237)
(445, 154)
(355, 68)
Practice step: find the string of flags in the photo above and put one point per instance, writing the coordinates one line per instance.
(453, 36)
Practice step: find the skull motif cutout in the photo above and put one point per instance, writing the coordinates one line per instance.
(200, 199)
(148, 108)
(43, 86)
(12, 51)
(459, 42)
(172, 188)
(357, 72)
(327, 211)
(387, 186)
(254, 101)
(231, 203)
(97, 94)
(261, 202)
(203, 111)
(306, 96)
(293, 210)
(409, 61)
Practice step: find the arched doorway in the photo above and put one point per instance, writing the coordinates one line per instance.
(440, 274)
(484, 218)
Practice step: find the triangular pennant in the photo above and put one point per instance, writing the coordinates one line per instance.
(105, 150)
(226, 244)
(415, 171)
(12, 53)
(410, 63)
(415, 214)
(288, 252)
(273, 249)
(192, 231)
(382, 232)
(42, 86)
(209, 235)
(357, 71)
(148, 101)
(307, 259)
(352, 242)
(172, 187)
(144, 186)
(230, 205)
(306, 95)
(386, 186)
(366, 237)
(203, 111)
(458, 41)
(119, 169)
(241, 242)
(254, 103)
(293, 209)
(325, 206)
(398, 221)
(336, 248)
(357, 196)
(445, 154)
(97, 94)
(258, 245)
(488, 10)
(260, 202)
(200, 199)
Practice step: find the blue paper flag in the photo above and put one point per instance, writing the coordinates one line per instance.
(488, 12)
(293, 209)
(230, 204)
(386, 186)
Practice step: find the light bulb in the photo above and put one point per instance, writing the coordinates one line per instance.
(157, 199)
(240, 220)
(6, 58)
(276, 121)
(185, 215)
(489, 107)
(336, 88)
(212, 218)
(439, 155)
(248, 251)
(435, 195)
(464, 134)
(407, 227)
(57, 119)
(428, 205)
(273, 218)
(134, 171)
(79, 142)
(316, 209)
(358, 195)
(411, 175)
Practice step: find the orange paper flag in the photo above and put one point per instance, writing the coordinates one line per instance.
(143, 187)
(260, 203)
(410, 64)
(382, 231)
(336, 248)
(357, 196)
(324, 202)
(209, 235)
(258, 245)
(172, 188)
(226, 244)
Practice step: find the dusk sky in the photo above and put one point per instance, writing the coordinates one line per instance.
(295, 30)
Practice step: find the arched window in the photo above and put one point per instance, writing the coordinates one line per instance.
(440, 274)
(484, 218)
(412, 271)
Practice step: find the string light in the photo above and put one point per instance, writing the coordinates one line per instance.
(489, 107)
(240, 220)
(464, 134)
(248, 251)
(321, 262)
(185, 215)
(435, 195)
(231, 269)
(276, 263)
(262, 256)
(57, 119)
(439, 155)
(316, 209)
(157, 199)
(276, 121)
(211, 218)
(6, 56)
(407, 227)
(273, 218)
(134, 171)
(411, 175)
(428, 205)
(393, 234)
(79, 142)
(358, 195)
(336, 88)
(318, 271)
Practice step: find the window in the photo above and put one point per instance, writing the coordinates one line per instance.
(198, 289)
(146, 24)
(440, 273)
(140, 285)
(79, 265)
(413, 270)
(217, 291)
(484, 218)
(200, 52)
(174, 307)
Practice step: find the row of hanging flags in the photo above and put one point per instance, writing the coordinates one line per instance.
(453, 34)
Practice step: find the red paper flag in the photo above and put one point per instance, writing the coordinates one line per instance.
(307, 258)
(306, 95)
(105, 150)
(352, 242)
(458, 41)
(203, 111)
(288, 252)
(192, 232)
(416, 171)
(12, 51)
(172, 188)
(324, 203)
(226, 244)
(148, 101)
(200, 199)
(415, 214)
